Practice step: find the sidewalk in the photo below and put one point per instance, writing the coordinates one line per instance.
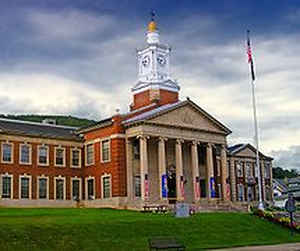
(280, 247)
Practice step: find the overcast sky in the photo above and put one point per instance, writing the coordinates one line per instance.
(77, 57)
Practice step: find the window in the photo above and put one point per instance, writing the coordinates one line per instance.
(25, 154)
(43, 188)
(137, 186)
(255, 170)
(43, 155)
(239, 169)
(59, 156)
(267, 170)
(7, 150)
(106, 187)
(105, 154)
(248, 169)
(60, 189)
(240, 192)
(6, 187)
(90, 154)
(25, 187)
(90, 189)
(250, 193)
(76, 189)
(75, 157)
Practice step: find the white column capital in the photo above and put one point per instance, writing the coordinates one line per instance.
(179, 141)
(162, 139)
(196, 142)
(143, 137)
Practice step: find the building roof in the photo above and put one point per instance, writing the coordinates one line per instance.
(232, 150)
(295, 180)
(100, 124)
(280, 182)
(34, 129)
(236, 148)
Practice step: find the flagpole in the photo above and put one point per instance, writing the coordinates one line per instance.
(260, 203)
(252, 76)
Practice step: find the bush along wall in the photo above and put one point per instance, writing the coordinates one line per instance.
(277, 218)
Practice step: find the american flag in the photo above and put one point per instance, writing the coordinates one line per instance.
(249, 53)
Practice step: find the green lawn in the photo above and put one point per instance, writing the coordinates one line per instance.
(107, 229)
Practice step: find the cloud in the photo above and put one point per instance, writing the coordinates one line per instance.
(82, 63)
(289, 158)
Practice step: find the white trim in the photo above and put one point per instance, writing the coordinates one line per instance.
(60, 178)
(102, 185)
(71, 157)
(11, 186)
(86, 153)
(101, 150)
(38, 187)
(86, 187)
(30, 186)
(64, 156)
(113, 136)
(30, 154)
(38, 155)
(12, 153)
(80, 187)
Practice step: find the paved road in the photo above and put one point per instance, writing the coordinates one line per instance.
(281, 247)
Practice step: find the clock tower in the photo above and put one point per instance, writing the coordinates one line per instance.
(155, 85)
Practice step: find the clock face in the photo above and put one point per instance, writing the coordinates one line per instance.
(161, 60)
(146, 60)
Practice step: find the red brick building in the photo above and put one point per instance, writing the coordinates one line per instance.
(163, 150)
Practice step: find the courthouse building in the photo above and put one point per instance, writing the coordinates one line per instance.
(162, 151)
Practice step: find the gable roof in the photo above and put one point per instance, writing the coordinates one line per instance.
(235, 149)
(34, 129)
(280, 183)
(170, 107)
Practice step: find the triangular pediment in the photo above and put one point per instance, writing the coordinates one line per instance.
(189, 116)
(246, 152)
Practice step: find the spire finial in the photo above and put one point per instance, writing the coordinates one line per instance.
(152, 24)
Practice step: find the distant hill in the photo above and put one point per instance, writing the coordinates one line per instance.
(60, 120)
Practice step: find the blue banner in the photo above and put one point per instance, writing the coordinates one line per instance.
(164, 187)
(212, 187)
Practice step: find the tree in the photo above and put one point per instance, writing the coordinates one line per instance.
(280, 173)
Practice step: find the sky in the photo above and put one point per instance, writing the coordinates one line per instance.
(78, 57)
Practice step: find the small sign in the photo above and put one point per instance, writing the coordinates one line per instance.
(182, 210)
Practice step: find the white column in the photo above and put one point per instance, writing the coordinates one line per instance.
(232, 179)
(195, 171)
(263, 181)
(179, 171)
(129, 173)
(162, 171)
(209, 168)
(224, 172)
(145, 182)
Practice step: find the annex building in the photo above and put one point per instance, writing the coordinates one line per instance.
(162, 151)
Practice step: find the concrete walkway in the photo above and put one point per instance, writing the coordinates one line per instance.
(280, 247)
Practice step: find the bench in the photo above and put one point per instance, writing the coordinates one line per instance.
(170, 243)
(155, 208)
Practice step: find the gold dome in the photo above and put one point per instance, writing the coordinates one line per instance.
(152, 26)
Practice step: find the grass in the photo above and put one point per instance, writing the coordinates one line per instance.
(107, 229)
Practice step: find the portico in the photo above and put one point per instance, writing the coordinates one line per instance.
(178, 159)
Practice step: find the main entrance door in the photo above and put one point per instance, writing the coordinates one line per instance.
(171, 172)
